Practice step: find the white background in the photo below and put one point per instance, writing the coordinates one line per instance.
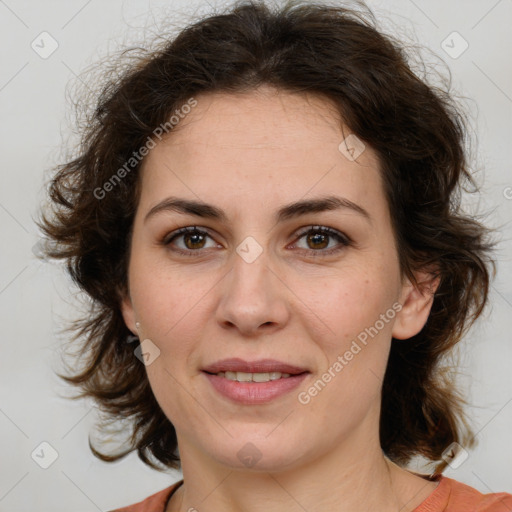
(36, 297)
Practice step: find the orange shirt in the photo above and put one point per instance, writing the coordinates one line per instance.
(448, 496)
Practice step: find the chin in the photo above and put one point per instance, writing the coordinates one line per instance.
(259, 454)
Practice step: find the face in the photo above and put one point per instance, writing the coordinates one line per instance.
(256, 276)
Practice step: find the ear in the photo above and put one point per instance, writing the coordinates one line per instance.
(128, 313)
(416, 303)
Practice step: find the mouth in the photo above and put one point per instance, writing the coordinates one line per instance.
(254, 382)
(254, 377)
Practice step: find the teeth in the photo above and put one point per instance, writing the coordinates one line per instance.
(253, 377)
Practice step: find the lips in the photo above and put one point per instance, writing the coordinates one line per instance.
(260, 366)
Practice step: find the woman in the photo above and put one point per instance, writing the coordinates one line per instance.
(264, 213)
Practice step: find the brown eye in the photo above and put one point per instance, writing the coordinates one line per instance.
(189, 239)
(194, 240)
(319, 238)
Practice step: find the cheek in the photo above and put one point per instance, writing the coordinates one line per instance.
(167, 297)
(347, 303)
(357, 349)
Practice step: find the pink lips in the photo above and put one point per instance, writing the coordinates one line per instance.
(252, 393)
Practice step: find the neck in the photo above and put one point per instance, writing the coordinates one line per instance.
(353, 478)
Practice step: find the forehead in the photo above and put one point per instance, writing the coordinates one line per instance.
(266, 118)
(267, 143)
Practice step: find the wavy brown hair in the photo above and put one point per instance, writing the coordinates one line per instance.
(418, 133)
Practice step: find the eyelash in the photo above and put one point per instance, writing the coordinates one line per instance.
(343, 239)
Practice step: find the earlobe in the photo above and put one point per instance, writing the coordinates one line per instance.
(416, 305)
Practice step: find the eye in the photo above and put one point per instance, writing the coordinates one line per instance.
(191, 237)
(318, 239)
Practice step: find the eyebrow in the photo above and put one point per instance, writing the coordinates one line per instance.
(296, 209)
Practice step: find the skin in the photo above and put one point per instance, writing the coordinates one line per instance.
(250, 155)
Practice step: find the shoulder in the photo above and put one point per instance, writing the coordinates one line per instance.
(154, 503)
(453, 496)
(463, 495)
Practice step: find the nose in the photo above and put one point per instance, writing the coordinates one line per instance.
(253, 298)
